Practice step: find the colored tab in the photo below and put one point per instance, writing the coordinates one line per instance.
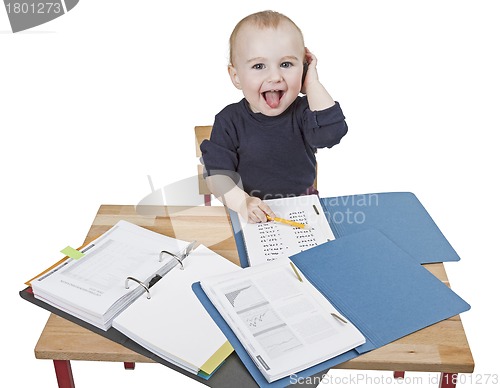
(72, 252)
(217, 358)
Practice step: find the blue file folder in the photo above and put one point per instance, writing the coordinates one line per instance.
(238, 238)
(383, 291)
(398, 215)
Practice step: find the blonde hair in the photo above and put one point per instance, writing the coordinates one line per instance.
(262, 19)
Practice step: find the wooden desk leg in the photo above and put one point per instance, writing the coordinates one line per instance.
(448, 380)
(399, 374)
(129, 365)
(64, 374)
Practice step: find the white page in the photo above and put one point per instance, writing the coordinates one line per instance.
(284, 324)
(269, 241)
(173, 323)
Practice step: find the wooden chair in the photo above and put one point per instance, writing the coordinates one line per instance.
(202, 132)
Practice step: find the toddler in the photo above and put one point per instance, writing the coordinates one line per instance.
(264, 146)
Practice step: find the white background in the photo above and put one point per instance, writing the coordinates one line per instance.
(95, 101)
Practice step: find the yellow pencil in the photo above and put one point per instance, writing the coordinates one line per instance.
(287, 222)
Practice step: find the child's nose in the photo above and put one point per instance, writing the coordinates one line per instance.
(275, 75)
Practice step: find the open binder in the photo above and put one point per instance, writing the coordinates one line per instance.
(133, 286)
(400, 216)
(374, 284)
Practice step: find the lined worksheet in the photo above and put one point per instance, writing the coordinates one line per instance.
(271, 240)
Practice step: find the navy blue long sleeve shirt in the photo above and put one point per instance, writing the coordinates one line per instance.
(273, 155)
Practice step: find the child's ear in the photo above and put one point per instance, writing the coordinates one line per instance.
(234, 76)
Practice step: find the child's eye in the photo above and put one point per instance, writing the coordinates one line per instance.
(258, 66)
(286, 65)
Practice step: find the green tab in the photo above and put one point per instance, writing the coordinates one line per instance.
(72, 252)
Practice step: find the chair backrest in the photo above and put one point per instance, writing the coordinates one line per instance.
(201, 133)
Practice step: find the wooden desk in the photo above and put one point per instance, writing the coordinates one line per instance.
(442, 347)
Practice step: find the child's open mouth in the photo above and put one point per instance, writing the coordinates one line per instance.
(273, 97)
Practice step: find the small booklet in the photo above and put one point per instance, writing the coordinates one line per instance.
(139, 282)
(268, 241)
(284, 323)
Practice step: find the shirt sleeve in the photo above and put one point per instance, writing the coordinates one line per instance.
(324, 128)
(219, 154)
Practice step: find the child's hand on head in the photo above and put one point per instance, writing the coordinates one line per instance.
(254, 210)
(312, 73)
(317, 96)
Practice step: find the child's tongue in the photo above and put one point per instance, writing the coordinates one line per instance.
(272, 98)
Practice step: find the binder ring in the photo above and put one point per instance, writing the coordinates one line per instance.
(174, 256)
(140, 283)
